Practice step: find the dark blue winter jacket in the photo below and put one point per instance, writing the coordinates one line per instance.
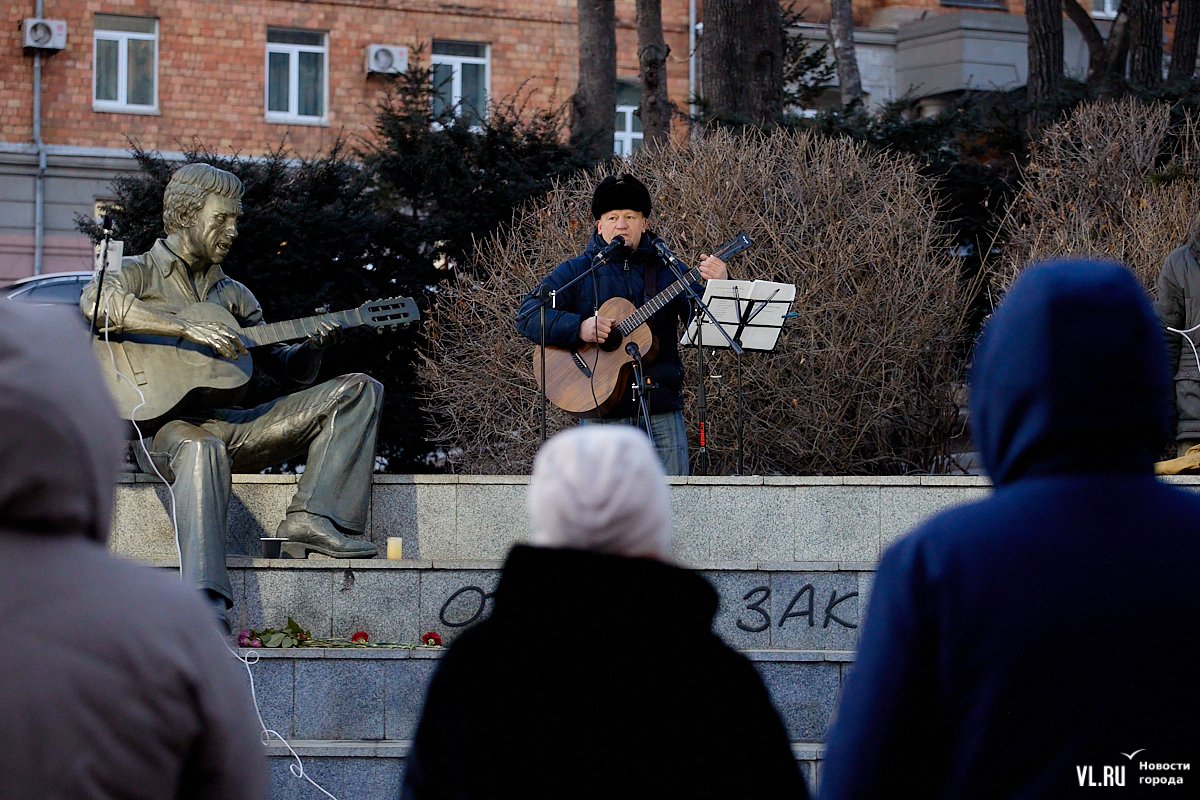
(1047, 637)
(622, 276)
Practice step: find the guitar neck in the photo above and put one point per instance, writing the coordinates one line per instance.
(292, 329)
(657, 303)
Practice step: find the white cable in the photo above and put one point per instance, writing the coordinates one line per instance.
(141, 439)
(1188, 339)
(297, 769)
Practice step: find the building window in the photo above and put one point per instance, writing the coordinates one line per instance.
(1105, 9)
(296, 76)
(461, 75)
(628, 127)
(125, 64)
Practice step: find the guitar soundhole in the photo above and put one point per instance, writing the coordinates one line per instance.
(613, 341)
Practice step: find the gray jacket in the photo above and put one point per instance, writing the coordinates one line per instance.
(1178, 307)
(115, 682)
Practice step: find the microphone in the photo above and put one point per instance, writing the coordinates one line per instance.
(664, 252)
(618, 241)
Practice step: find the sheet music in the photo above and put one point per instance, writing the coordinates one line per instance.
(763, 303)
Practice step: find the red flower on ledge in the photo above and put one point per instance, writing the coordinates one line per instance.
(431, 639)
(359, 636)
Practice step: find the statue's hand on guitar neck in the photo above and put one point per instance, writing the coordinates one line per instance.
(216, 335)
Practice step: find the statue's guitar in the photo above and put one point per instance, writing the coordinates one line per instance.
(175, 374)
(589, 380)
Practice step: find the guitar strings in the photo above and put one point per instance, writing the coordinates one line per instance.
(296, 769)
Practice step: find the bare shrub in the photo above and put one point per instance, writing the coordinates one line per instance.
(861, 380)
(1112, 181)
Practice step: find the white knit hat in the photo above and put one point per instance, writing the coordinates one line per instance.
(601, 488)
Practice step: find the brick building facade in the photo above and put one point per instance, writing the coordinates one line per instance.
(238, 76)
(211, 61)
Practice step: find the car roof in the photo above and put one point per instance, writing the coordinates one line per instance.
(47, 276)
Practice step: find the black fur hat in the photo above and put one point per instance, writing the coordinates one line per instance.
(615, 193)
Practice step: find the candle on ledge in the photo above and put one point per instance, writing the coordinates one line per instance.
(395, 548)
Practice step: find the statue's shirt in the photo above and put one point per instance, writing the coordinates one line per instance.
(164, 282)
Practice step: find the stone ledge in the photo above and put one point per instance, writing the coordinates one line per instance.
(240, 562)
(400, 748)
(434, 653)
(381, 653)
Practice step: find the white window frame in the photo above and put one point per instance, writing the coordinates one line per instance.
(1109, 12)
(122, 38)
(456, 65)
(623, 139)
(292, 51)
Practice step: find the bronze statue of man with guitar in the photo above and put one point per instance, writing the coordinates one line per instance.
(632, 296)
(173, 330)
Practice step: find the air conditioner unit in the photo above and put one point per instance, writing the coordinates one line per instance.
(46, 34)
(387, 59)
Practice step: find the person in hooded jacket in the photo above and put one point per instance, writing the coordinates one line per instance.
(597, 674)
(116, 683)
(621, 207)
(1022, 645)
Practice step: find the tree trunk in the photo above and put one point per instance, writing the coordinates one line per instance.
(1118, 44)
(1045, 55)
(1097, 56)
(742, 54)
(652, 59)
(841, 34)
(1187, 32)
(1145, 43)
(594, 104)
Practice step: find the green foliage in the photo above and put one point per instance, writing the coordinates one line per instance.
(807, 70)
(311, 235)
(290, 635)
(452, 178)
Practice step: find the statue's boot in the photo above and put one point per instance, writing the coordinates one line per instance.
(318, 534)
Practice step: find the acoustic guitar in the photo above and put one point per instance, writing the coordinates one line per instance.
(175, 375)
(589, 380)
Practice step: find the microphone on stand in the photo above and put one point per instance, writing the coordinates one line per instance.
(618, 241)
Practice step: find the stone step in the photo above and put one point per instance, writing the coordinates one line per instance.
(375, 694)
(351, 714)
(375, 769)
(450, 517)
(762, 606)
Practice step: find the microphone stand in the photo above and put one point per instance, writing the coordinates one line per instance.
(675, 265)
(543, 294)
(107, 225)
(639, 387)
(701, 401)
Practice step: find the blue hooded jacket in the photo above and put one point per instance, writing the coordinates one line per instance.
(623, 276)
(1018, 646)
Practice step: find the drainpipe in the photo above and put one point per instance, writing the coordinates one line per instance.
(40, 203)
(691, 58)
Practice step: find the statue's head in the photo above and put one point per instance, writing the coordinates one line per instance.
(203, 203)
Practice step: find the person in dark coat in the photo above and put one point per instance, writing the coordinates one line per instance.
(114, 681)
(1178, 307)
(621, 207)
(597, 674)
(1046, 638)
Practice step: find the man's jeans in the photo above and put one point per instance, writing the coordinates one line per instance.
(670, 438)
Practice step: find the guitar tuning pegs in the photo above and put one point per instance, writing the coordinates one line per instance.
(321, 310)
(379, 331)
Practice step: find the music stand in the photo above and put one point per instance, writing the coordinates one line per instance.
(750, 313)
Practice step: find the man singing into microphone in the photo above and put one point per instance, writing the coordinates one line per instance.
(634, 271)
